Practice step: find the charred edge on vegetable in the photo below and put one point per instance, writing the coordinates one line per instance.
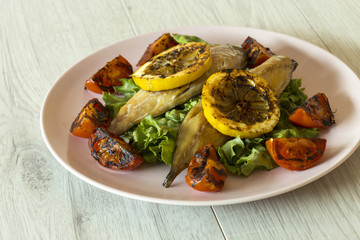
(320, 100)
(101, 77)
(213, 180)
(294, 65)
(156, 47)
(317, 153)
(110, 145)
(198, 172)
(101, 114)
(254, 51)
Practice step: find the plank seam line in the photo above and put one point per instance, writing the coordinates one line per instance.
(312, 26)
(129, 18)
(218, 222)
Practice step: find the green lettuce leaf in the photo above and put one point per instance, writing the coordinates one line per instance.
(155, 138)
(242, 157)
(180, 38)
(292, 97)
(114, 102)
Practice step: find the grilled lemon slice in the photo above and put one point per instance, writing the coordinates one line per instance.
(239, 103)
(174, 67)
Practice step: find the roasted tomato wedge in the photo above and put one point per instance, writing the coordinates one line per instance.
(91, 85)
(109, 76)
(113, 152)
(296, 153)
(314, 113)
(94, 114)
(164, 42)
(205, 172)
(257, 53)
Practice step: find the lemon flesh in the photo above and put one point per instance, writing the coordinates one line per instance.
(174, 67)
(239, 103)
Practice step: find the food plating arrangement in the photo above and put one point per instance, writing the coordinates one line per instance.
(208, 109)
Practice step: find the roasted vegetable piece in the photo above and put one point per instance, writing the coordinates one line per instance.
(91, 85)
(314, 113)
(164, 42)
(110, 75)
(296, 153)
(257, 53)
(93, 115)
(113, 152)
(205, 172)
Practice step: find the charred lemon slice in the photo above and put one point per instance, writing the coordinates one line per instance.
(174, 67)
(239, 103)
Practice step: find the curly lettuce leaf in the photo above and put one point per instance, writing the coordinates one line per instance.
(155, 138)
(178, 113)
(242, 157)
(292, 97)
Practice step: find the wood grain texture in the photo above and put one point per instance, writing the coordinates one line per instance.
(39, 40)
(311, 212)
(41, 200)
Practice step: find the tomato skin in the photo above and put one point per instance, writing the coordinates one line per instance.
(109, 76)
(296, 153)
(164, 42)
(256, 52)
(113, 152)
(314, 113)
(92, 86)
(94, 114)
(205, 172)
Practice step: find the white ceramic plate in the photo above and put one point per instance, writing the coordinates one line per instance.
(320, 71)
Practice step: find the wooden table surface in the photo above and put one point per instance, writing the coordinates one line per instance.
(40, 40)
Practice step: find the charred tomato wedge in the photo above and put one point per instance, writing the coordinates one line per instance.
(314, 113)
(110, 75)
(94, 114)
(205, 172)
(296, 153)
(257, 53)
(113, 152)
(164, 42)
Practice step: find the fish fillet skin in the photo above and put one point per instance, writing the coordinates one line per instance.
(277, 72)
(195, 131)
(145, 103)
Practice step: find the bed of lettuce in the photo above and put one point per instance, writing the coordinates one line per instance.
(155, 137)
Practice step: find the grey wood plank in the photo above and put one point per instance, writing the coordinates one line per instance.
(325, 209)
(337, 26)
(39, 41)
(116, 217)
(312, 212)
(279, 16)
